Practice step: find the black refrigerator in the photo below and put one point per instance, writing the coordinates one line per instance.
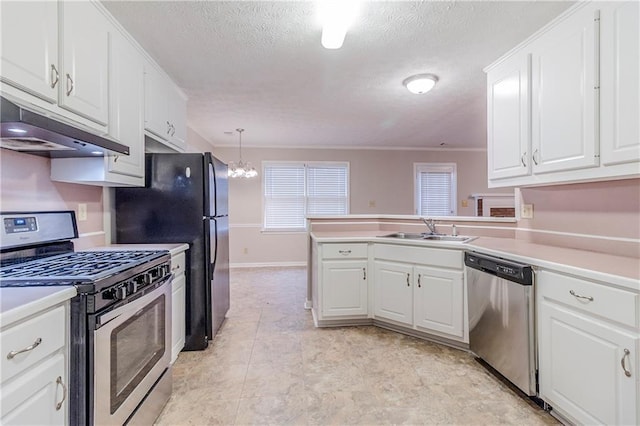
(185, 201)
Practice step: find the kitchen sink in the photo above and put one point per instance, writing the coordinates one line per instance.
(430, 237)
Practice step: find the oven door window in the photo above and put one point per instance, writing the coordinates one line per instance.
(136, 346)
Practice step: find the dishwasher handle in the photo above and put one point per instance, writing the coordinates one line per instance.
(518, 273)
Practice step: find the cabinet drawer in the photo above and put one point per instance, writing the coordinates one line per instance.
(344, 251)
(442, 258)
(597, 299)
(178, 264)
(49, 327)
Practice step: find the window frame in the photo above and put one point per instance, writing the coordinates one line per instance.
(434, 167)
(305, 165)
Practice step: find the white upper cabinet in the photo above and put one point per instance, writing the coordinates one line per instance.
(165, 113)
(584, 100)
(564, 83)
(508, 112)
(56, 55)
(620, 82)
(30, 48)
(127, 107)
(85, 53)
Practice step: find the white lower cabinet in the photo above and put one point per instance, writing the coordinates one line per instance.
(393, 294)
(438, 300)
(35, 383)
(34, 398)
(588, 364)
(344, 289)
(341, 284)
(178, 299)
(420, 287)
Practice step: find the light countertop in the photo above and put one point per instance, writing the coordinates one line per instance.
(171, 248)
(17, 303)
(616, 270)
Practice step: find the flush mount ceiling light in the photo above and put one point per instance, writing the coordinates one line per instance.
(336, 17)
(241, 169)
(420, 83)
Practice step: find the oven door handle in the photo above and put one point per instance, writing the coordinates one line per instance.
(134, 306)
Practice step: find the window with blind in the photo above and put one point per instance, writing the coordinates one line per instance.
(294, 190)
(435, 189)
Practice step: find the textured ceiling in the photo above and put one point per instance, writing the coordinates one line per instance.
(260, 65)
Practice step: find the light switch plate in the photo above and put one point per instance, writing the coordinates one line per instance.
(82, 212)
(527, 211)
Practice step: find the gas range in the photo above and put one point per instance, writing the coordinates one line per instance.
(120, 319)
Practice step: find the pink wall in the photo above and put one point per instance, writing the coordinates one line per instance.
(607, 214)
(25, 186)
(382, 176)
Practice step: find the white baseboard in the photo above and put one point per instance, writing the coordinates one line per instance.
(268, 265)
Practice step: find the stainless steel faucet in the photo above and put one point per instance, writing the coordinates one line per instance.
(431, 224)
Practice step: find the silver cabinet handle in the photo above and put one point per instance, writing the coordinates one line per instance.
(577, 296)
(55, 77)
(419, 277)
(64, 393)
(408, 284)
(35, 344)
(176, 268)
(344, 252)
(168, 127)
(522, 159)
(364, 273)
(115, 159)
(173, 130)
(624, 367)
(534, 157)
(69, 85)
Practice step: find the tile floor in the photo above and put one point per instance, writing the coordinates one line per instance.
(269, 365)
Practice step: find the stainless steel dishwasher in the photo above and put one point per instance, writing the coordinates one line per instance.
(501, 317)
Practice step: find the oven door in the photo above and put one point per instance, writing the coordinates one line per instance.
(132, 350)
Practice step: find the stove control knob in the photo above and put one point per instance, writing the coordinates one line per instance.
(121, 292)
(148, 278)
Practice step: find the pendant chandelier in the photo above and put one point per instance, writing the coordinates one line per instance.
(241, 169)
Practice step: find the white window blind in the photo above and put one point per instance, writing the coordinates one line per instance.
(284, 200)
(294, 190)
(435, 189)
(326, 190)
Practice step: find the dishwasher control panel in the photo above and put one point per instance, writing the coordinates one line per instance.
(503, 268)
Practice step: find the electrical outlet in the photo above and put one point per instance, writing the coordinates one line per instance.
(527, 211)
(465, 203)
(372, 203)
(82, 212)
(245, 251)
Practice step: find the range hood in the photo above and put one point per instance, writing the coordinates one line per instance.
(32, 133)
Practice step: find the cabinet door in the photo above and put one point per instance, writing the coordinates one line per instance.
(564, 116)
(581, 367)
(178, 119)
(126, 107)
(30, 47)
(177, 316)
(438, 303)
(31, 399)
(393, 297)
(619, 82)
(509, 118)
(344, 288)
(85, 52)
(156, 115)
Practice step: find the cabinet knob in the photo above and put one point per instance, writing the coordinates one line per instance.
(622, 362)
(64, 393)
(55, 77)
(31, 347)
(69, 85)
